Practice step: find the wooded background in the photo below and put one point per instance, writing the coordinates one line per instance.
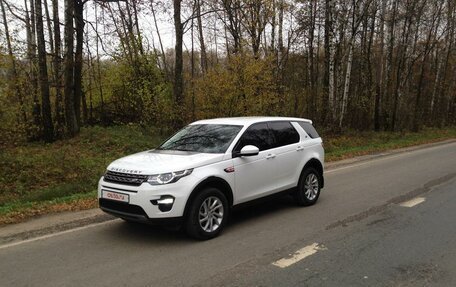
(355, 64)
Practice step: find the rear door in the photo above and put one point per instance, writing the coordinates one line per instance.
(287, 152)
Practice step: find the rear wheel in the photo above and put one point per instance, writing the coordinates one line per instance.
(207, 215)
(308, 187)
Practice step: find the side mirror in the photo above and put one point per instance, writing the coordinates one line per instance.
(249, 150)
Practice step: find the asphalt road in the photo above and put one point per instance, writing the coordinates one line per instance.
(384, 222)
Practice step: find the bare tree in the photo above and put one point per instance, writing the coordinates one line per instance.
(59, 115)
(77, 68)
(203, 55)
(48, 127)
(70, 113)
(178, 64)
(14, 74)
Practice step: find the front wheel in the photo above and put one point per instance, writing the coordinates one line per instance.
(208, 214)
(308, 187)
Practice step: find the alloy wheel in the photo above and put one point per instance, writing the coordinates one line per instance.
(211, 214)
(311, 186)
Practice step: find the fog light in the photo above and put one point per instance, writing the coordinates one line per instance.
(166, 200)
(165, 203)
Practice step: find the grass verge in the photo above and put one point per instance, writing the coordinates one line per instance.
(37, 179)
(353, 144)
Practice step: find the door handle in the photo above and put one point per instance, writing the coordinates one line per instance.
(299, 148)
(271, 155)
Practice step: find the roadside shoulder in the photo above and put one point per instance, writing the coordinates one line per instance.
(51, 223)
(335, 164)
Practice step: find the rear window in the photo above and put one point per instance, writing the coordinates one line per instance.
(310, 130)
(284, 133)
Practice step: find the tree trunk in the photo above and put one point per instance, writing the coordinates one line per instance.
(49, 26)
(48, 128)
(278, 54)
(138, 31)
(347, 82)
(31, 55)
(70, 114)
(370, 89)
(165, 64)
(79, 21)
(389, 64)
(280, 46)
(59, 116)
(380, 69)
(192, 69)
(328, 101)
(130, 35)
(178, 65)
(201, 37)
(310, 67)
(100, 86)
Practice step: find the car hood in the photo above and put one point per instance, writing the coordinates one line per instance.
(158, 161)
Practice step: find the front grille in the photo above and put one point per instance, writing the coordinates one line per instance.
(124, 178)
(122, 207)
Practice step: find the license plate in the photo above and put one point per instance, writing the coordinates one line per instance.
(115, 196)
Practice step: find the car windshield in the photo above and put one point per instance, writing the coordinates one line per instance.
(204, 138)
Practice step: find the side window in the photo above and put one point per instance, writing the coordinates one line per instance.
(310, 130)
(257, 135)
(284, 133)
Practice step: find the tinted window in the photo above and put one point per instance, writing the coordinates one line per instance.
(202, 138)
(310, 130)
(257, 135)
(284, 133)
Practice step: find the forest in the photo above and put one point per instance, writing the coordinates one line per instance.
(368, 65)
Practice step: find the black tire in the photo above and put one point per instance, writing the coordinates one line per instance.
(192, 223)
(308, 194)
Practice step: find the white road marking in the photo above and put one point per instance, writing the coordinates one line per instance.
(12, 244)
(299, 255)
(413, 202)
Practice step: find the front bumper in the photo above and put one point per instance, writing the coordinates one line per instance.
(142, 205)
(134, 213)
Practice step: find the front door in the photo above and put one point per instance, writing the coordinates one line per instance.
(254, 175)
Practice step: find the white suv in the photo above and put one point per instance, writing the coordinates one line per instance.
(198, 175)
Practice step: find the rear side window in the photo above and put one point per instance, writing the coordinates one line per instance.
(310, 130)
(284, 133)
(257, 135)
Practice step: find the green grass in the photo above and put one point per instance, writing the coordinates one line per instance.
(355, 143)
(23, 206)
(35, 173)
(38, 178)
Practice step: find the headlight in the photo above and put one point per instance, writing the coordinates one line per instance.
(169, 177)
